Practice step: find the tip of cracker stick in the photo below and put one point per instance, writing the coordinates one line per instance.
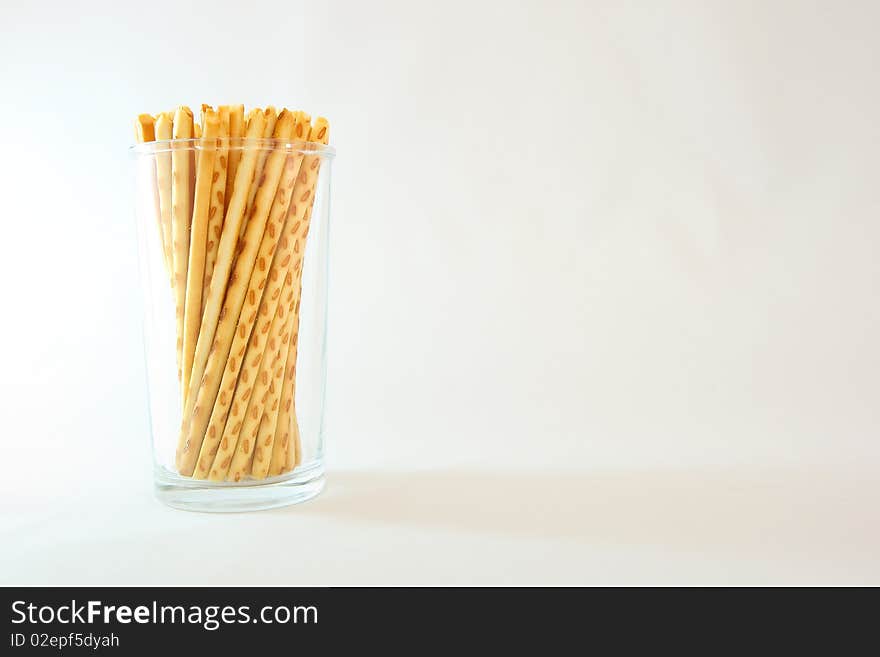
(183, 123)
(286, 119)
(145, 128)
(303, 121)
(320, 131)
(211, 122)
(205, 109)
(251, 114)
(163, 124)
(255, 123)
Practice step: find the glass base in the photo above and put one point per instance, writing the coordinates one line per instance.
(302, 484)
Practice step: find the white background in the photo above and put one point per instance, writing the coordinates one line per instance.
(604, 290)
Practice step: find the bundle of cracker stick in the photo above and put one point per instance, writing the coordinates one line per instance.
(233, 208)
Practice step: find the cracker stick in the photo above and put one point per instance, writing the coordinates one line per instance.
(236, 131)
(145, 129)
(181, 212)
(254, 111)
(195, 272)
(303, 124)
(197, 134)
(248, 120)
(266, 432)
(144, 132)
(218, 339)
(163, 129)
(294, 453)
(266, 387)
(194, 159)
(265, 437)
(268, 132)
(285, 448)
(265, 285)
(285, 428)
(218, 205)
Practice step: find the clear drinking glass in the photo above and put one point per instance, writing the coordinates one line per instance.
(246, 431)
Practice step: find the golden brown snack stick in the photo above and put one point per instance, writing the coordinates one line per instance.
(198, 240)
(286, 447)
(181, 212)
(266, 386)
(303, 126)
(216, 341)
(265, 438)
(268, 132)
(266, 432)
(236, 131)
(218, 202)
(294, 454)
(294, 451)
(264, 287)
(194, 162)
(197, 134)
(145, 128)
(256, 111)
(163, 130)
(285, 428)
(144, 132)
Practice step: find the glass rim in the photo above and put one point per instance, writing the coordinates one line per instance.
(234, 143)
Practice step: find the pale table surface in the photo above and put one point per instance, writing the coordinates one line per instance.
(654, 526)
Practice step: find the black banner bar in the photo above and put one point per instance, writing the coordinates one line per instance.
(230, 620)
